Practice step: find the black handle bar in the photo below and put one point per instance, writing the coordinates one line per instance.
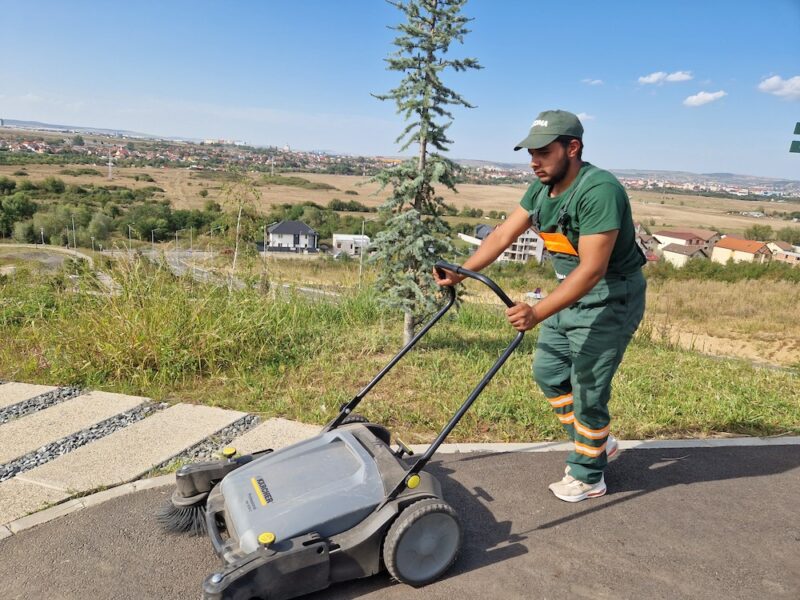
(472, 274)
(348, 408)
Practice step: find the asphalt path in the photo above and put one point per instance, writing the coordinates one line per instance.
(679, 523)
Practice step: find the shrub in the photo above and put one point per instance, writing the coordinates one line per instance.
(53, 185)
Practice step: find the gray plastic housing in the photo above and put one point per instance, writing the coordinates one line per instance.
(326, 484)
(308, 561)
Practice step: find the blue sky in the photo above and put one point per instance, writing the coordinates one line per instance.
(661, 85)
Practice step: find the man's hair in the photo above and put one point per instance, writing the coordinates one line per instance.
(564, 140)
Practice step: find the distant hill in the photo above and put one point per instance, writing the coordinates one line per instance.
(80, 129)
(687, 177)
(731, 179)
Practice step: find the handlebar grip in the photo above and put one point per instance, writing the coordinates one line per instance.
(473, 275)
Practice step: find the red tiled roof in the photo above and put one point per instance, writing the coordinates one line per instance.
(703, 234)
(749, 246)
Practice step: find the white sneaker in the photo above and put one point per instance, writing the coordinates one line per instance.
(570, 489)
(612, 448)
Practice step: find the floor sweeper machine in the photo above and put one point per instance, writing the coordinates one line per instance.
(342, 505)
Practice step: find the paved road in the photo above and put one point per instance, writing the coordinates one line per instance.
(677, 523)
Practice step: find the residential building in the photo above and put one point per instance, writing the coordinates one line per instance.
(482, 230)
(779, 246)
(526, 246)
(792, 258)
(350, 244)
(292, 236)
(740, 251)
(710, 238)
(679, 255)
(647, 242)
(682, 238)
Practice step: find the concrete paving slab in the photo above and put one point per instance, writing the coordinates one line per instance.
(5, 532)
(40, 519)
(129, 453)
(273, 433)
(12, 393)
(27, 434)
(18, 498)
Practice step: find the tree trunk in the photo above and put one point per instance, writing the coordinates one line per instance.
(408, 327)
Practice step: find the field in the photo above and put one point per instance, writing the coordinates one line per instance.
(654, 209)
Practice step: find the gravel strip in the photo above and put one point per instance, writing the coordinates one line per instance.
(76, 440)
(209, 448)
(39, 402)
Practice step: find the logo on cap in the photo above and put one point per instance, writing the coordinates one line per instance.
(539, 123)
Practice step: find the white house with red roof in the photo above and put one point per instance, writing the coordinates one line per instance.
(681, 238)
(739, 250)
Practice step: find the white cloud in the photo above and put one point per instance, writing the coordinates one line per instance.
(592, 81)
(783, 88)
(656, 77)
(585, 117)
(660, 77)
(704, 98)
(679, 76)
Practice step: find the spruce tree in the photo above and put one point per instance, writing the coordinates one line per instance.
(415, 234)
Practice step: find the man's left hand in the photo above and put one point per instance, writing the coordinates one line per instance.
(522, 316)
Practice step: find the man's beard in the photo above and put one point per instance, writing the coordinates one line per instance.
(559, 175)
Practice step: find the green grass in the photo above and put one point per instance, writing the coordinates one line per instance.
(294, 181)
(300, 358)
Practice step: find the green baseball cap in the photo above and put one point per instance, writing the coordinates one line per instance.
(548, 126)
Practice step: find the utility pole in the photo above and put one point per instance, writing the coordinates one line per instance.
(191, 242)
(272, 165)
(41, 229)
(153, 241)
(110, 164)
(92, 243)
(74, 239)
(361, 254)
(265, 245)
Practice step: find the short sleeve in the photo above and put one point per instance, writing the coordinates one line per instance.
(528, 201)
(601, 208)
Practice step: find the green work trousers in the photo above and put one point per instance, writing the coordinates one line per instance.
(577, 354)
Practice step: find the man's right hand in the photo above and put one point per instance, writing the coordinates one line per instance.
(449, 278)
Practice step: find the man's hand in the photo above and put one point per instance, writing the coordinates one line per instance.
(449, 278)
(522, 316)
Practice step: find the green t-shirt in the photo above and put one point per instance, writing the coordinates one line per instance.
(600, 205)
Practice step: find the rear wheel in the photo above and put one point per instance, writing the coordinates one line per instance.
(423, 542)
(378, 430)
(354, 418)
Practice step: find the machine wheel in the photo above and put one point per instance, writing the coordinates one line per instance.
(354, 418)
(379, 430)
(423, 542)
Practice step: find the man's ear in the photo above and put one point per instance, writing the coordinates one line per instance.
(573, 148)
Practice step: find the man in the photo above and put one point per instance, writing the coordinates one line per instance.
(584, 217)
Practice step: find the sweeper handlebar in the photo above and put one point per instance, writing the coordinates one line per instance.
(442, 265)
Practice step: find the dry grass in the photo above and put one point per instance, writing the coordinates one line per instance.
(700, 211)
(182, 187)
(755, 320)
(752, 320)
